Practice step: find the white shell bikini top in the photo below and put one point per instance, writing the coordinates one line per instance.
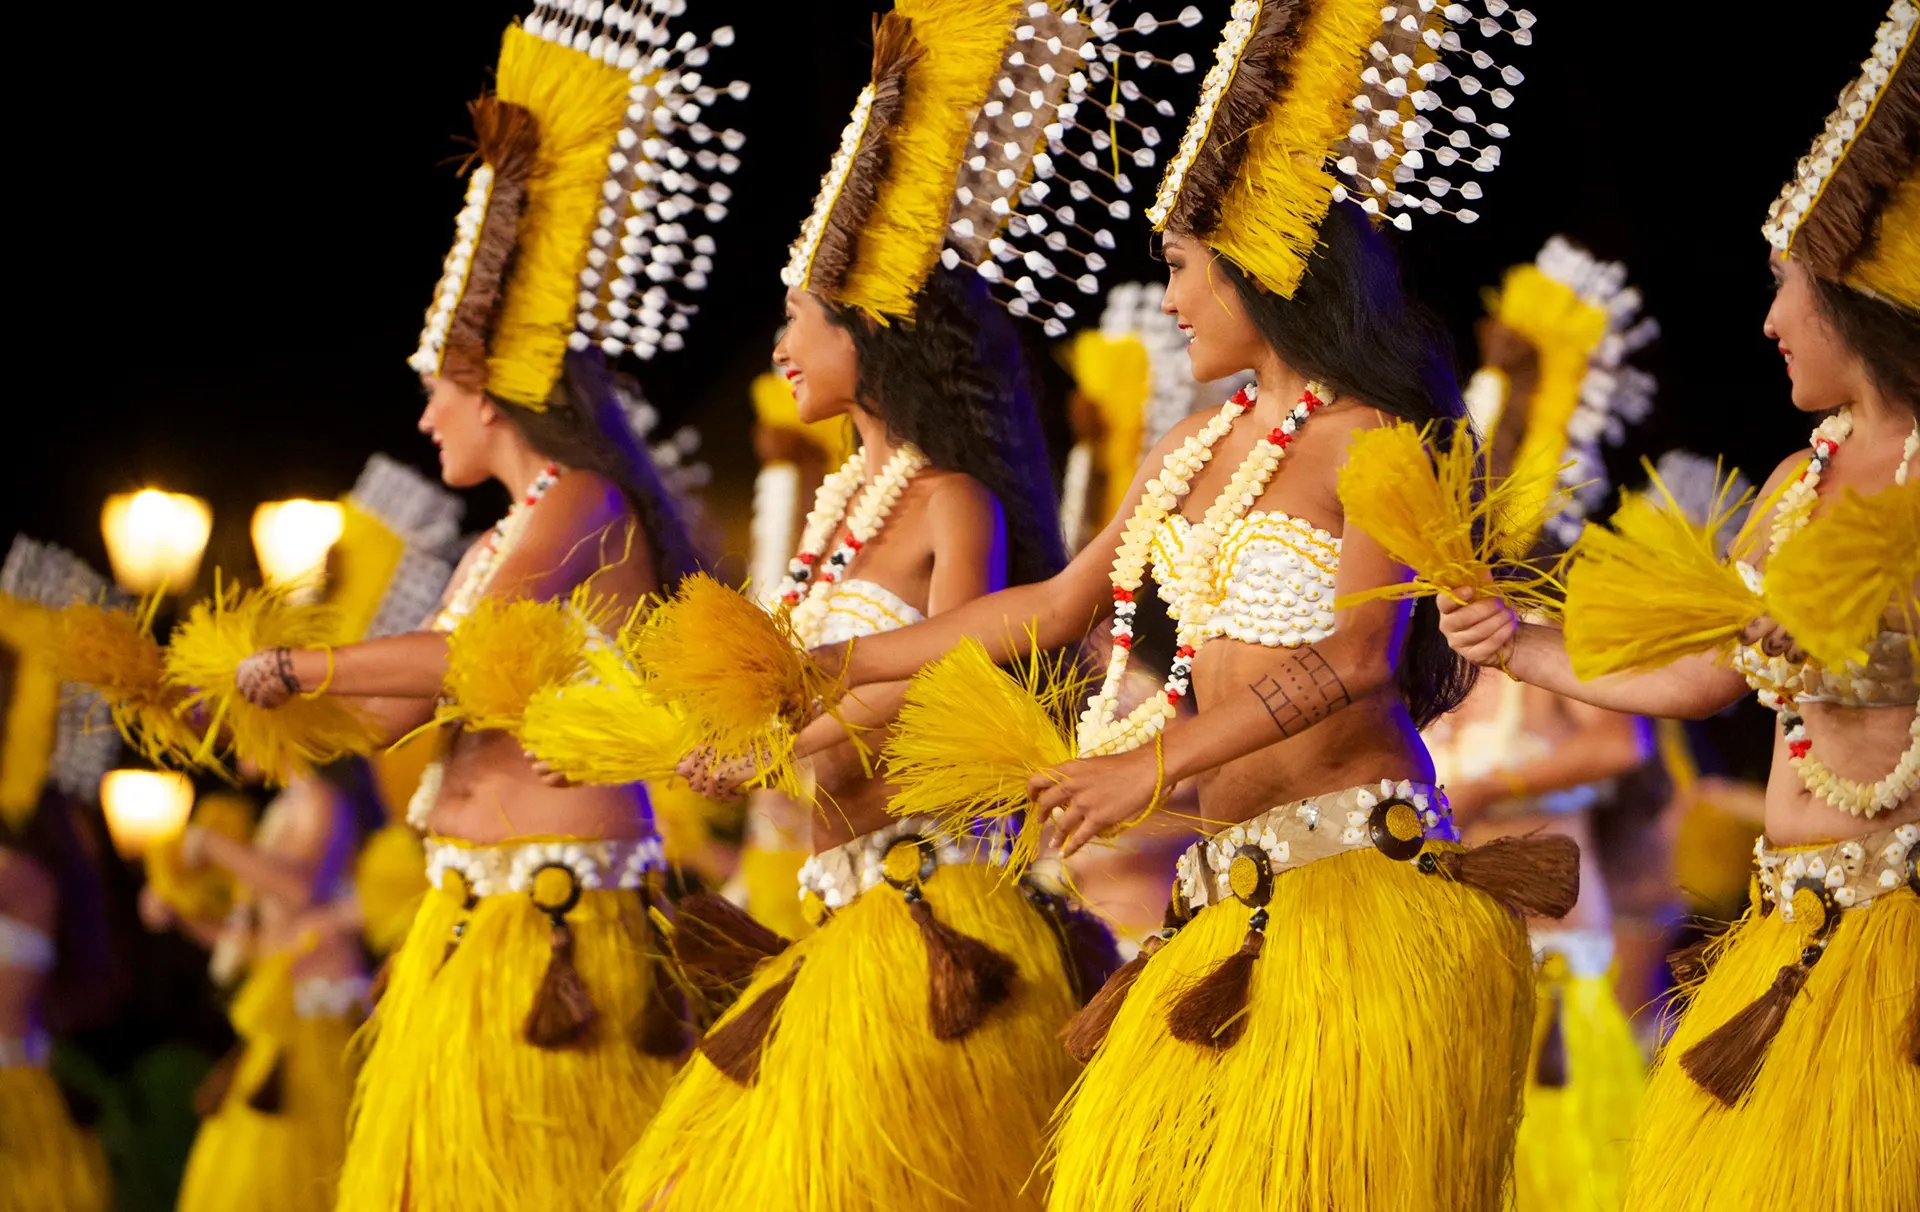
(24, 946)
(1272, 578)
(857, 608)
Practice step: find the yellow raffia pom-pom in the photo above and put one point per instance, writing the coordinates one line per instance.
(1438, 513)
(284, 741)
(1653, 588)
(389, 878)
(605, 727)
(1831, 584)
(114, 652)
(504, 652)
(207, 892)
(737, 672)
(970, 735)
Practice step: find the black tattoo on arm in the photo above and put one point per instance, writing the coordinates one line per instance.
(1306, 691)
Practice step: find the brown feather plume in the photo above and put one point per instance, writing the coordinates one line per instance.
(1839, 231)
(507, 139)
(735, 1046)
(894, 51)
(1259, 79)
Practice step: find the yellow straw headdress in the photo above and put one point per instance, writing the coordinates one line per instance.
(967, 147)
(1852, 209)
(1584, 322)
(591, 158)
(1311, 103)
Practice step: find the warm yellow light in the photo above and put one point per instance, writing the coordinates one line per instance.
(155, 539)
(292, 539)
(143, 807)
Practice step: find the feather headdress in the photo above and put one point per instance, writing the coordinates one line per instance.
(967, 147)
(1311, 103)
(1852, 209)
(590, 159)
(1584, 322)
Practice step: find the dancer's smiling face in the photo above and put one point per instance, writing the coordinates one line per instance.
(460, 421)
(817, 357)
(1824, 369)
(1221, 340)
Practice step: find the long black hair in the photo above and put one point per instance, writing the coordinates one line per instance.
(1886, 338)
(583, 427)
(1352, 326)
(953, 382)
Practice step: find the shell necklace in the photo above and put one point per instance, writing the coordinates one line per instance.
(810, 593)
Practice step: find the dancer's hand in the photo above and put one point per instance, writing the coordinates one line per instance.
(1092, 797)
(548, 775)
(1480, 629)
(1773, 639)
(713, 778)
(265, 678)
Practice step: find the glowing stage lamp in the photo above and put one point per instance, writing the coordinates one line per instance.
(292, 539)
(144, 806)
(155, 539)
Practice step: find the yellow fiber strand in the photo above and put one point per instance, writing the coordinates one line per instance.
(963, 41)
(1653, 588)
(389, 878)
(204, 893)
(1571, 1154)
(1437, 513)
(46, 1163)
(1831, 584)
(970, 735)
(512, 1127)
(578, 105)
(32, 711)
(1841, 1063)
(605, 727)
(1270, 221)
(505, 652)
(1564, 330)
(738, 673)
(857, 1107)
(1387, 1009)
(114, 652)
(283, 741)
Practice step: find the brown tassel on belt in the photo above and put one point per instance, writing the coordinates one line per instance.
(1213, 1013)
(1087, 1030)
(563, 1010)
(736, 1045)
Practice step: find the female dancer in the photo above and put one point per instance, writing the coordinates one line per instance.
(277, 1107)
(902, 1054)
(524, 1037)
(1515, 759)
(1792, 1076)
(1336, 1018)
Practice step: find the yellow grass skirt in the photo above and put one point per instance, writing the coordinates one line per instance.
(1380, 1070)
(46, 1163)
(772, 879)
(287, 1160)
(454, 1110)
(1571, 1155)
(1832, 1120)
(858, 1107)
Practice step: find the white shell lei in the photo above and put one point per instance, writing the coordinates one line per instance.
(1100, 730)
(1794, 511)
(813, 584)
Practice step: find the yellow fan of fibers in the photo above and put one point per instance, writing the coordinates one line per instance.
(389, 878)
(970, 735)
(203, 893)
(1831, 584)
(205, 654)
(506, 651)
(1271, 218)
(963, 41)
(1437, 513)
(578, 105)
(114, 652)
(1653, 588)
(737, 672)
(605, 727)
(1564, 330)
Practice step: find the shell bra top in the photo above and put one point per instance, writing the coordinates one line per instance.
(857, 608)
(1271, 582)
(1887, 678)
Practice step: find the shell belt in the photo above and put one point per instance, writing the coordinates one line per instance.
(472, 872)
(1823, 880)
(908, 850)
